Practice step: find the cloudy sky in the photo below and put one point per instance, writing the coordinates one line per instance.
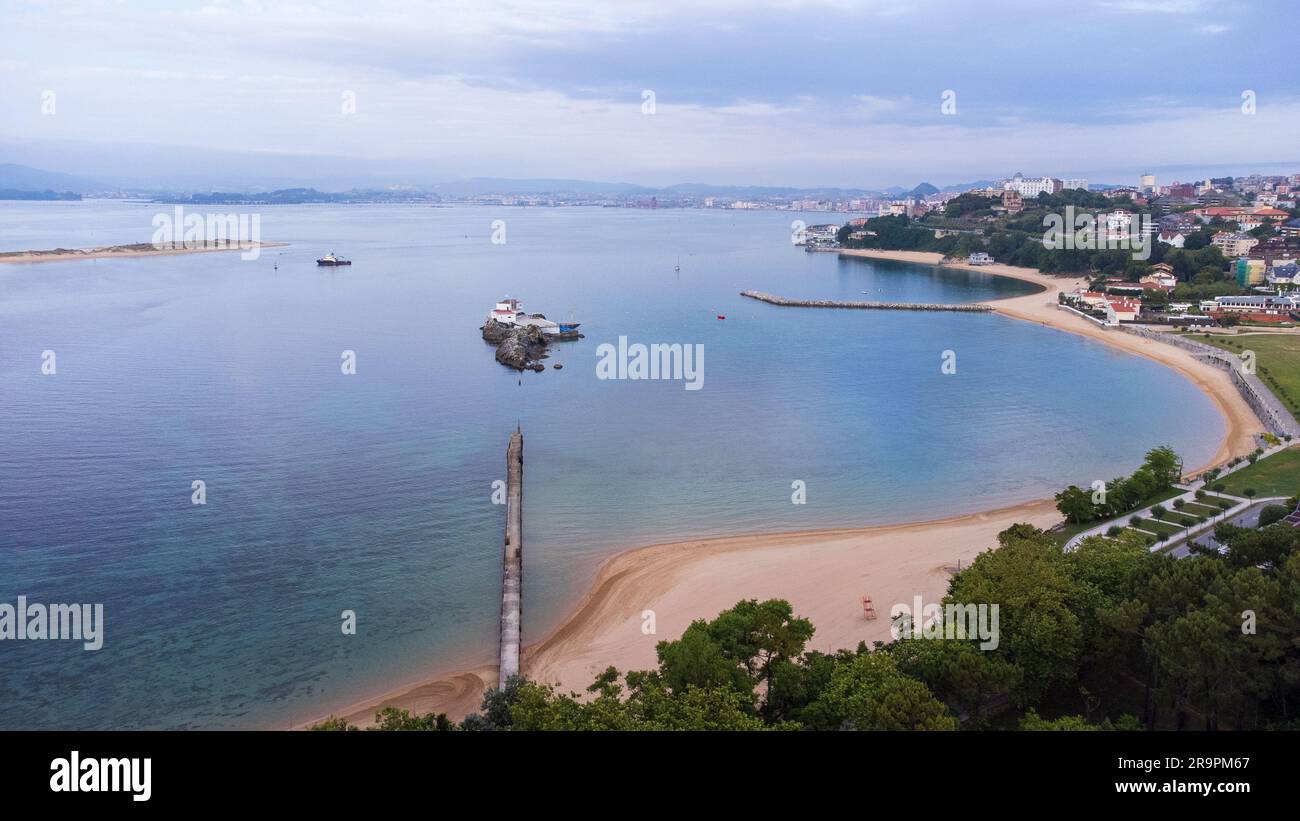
(766, 92)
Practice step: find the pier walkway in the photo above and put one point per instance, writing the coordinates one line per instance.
(512, 574)
(965, 308)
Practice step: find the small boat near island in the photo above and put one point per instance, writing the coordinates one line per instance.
(331, 259)
(522, 339)
(511, 312)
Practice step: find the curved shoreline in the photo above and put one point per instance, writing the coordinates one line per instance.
(822, 573)
(1239, 421)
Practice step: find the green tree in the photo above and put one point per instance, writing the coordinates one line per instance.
(334, 724)
(1032, 721)
(797, 683)
(1075, 505)
(1039, 633)
(698, 660)
(761, 634)
(391, 718)
(495, 709)
(969, 680)
(869, 693)
(741, 648)
(644, 704)
(1268, 547)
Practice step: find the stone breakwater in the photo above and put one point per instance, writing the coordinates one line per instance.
(965, 308)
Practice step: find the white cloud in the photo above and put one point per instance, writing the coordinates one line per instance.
(268, 78)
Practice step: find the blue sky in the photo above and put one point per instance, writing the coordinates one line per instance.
(819, 92)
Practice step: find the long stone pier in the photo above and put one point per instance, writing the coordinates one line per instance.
(966, 308)
(512, 578)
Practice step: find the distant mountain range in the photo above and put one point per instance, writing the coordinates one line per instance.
(24, 182)
(24, 178)
(481, 186)
(295, 196)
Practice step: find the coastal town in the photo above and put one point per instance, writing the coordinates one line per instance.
(1000, 435)
(1220, 252)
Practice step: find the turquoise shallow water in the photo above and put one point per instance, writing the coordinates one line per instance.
(372, 492)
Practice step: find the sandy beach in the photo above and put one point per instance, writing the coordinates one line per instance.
(143, 249)
(823, 574)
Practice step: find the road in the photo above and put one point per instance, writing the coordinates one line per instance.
(1247, 518)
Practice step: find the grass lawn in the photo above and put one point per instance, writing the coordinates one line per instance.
(1177, 518)
(1276, 475)
(1157, 526)
(1277, 358)
(1201, 510)
(1070, 531)
(1144, 536)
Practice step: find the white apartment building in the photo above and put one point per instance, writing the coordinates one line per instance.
(1118, 223)
(1233, 244)
(1031, 186)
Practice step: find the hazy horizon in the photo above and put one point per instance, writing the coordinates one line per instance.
(714, 92)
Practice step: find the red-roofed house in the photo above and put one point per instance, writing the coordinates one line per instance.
(1123, 310)
(1270, 214)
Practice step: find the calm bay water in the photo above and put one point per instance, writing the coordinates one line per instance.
(372, 492)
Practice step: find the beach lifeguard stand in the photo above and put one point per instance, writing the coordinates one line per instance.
(868, 609)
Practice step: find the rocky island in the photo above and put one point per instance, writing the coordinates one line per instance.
(522, 339)
(521, 347)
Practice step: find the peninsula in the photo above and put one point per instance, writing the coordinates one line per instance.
(139, 249)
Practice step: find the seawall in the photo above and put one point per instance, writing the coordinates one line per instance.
(1270, 410)
(965, 308)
